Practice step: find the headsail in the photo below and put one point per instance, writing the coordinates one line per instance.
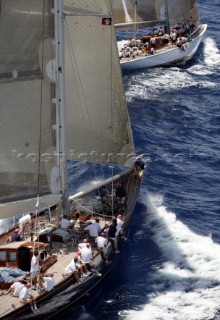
(182, 11)
(152, 12)
(129, 13)
(98, 128)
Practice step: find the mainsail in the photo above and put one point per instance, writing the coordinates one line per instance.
(27, 138)
(145, 13)
(26, 111)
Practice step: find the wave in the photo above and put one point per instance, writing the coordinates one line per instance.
(187, 284)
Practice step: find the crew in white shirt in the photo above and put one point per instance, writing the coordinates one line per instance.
(16, 288)
(23, 221)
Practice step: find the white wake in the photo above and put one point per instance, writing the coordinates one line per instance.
(192, 271)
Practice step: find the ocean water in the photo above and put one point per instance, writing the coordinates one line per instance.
(171, 267)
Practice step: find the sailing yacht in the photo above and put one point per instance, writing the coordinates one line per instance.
(168, 17)
(63, 104)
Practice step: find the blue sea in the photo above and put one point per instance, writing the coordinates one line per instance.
(171, 268)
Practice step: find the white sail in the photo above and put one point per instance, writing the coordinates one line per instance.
(182, 11)
(97, 123)
(146, 13)
(98, 128)
(26, 107)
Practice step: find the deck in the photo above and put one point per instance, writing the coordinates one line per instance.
(64, 254)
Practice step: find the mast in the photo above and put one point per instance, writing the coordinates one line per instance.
(135, 13)
(61, 105)
(167, 25)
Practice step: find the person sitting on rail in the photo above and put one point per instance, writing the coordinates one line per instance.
(26, 297)
(46, 282)
(87, 258)
(71, 269)
(80, 266)
(102, 242)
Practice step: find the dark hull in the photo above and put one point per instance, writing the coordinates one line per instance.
(69, 297)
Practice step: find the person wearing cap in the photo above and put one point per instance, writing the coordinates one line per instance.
(87, 258)
(119, 225)
(46, 282)
(82, 245)
(80, 266)
(102, 242)
(71, 269)
(16, 287)
(26, 297)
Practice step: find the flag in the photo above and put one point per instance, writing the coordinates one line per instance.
(106, 21)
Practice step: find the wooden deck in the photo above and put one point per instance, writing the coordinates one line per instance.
(64, 254)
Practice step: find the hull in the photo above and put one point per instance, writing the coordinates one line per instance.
(170, 57)
(68, 296)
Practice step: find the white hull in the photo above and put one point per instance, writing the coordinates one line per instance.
(172, 56)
